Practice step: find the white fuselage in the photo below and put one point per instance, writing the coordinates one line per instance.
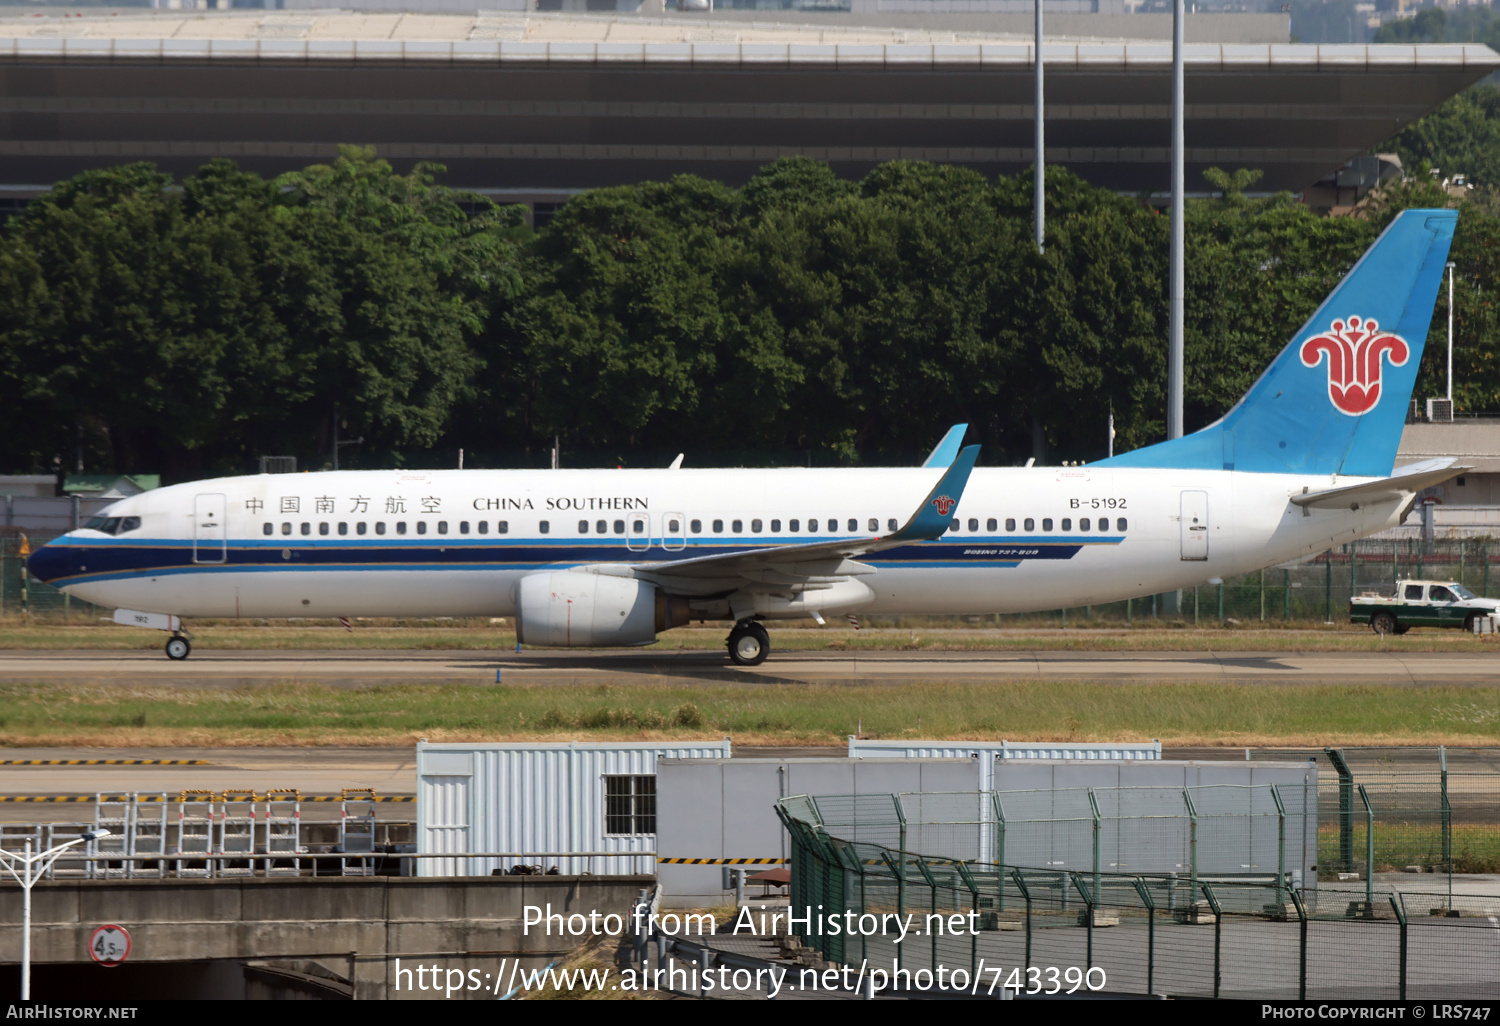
(407, 544)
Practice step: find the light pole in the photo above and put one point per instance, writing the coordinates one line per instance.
(1176, 285)
(32, 869)
(1450, 337)
(1039, 118)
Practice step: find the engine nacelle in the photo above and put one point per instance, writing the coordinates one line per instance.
(568, 608)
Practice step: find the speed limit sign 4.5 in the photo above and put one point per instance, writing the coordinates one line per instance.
(109, 945)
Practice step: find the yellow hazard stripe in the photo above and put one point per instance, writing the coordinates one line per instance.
(159, 798)
(718, 862)
(104, 762)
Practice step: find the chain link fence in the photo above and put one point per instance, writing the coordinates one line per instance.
(21, 592)
(1405, 810)
(973, 924)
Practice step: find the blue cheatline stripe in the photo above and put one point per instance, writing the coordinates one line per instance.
(136, 560)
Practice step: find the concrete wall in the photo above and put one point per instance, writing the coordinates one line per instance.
(725, 808)
(355, 926)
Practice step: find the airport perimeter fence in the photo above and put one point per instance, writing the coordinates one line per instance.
(1415, 810)
(1125, 933)
(1318, 589)
(1263, 833)
(20, 590)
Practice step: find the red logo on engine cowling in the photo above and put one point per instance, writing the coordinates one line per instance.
(944, 504)
(1354, 351)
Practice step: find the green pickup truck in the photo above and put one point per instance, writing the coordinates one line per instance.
(1421, 604)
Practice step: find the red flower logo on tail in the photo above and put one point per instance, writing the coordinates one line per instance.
(1354, 352)
(944, 504)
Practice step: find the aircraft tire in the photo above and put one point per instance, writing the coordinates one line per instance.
(178, 647)
(749, 644)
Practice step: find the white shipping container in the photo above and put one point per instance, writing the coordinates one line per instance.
(531, 799)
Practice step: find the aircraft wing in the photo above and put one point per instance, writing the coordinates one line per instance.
(788, 564)
(1383, 490)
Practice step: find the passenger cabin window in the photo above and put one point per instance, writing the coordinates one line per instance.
(1120, 525)
(793, 525)
(421, 527)
(1414, 593)
(502, 527)
(874, 523)
(306, 527)
(1029, 524)
(401, 527)
(483, 526)
(359, 528)
(637, 525)
(583, 527)
(322, 527)
(853, 525)
(343, 527)
(265, 528)
(463, 527)
(776, 527)
(718, 527)
(737, 527)
(1083, 525)
(442, 527)
(992, 524)
(973, 523)
(1010, 523)
(890, 525)
(755, 526)
(1067, 524)
(619, 527)
(812, 527)
(1046, 523)
(380, 527)
(286, 527)
(601, 527)
(954, 525)
(674, 526)
(544, 527)
(696, 526)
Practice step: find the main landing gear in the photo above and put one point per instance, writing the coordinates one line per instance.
(749, 643)
(178, 647)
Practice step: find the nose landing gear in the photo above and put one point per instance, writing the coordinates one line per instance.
(749, 643)
(178, 647)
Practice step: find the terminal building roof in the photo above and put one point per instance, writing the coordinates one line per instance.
(541, 103)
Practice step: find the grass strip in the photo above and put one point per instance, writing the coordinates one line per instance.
(304, 713)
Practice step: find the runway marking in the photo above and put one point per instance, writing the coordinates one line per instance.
(104, 762)
(720, 862)
(112, 796)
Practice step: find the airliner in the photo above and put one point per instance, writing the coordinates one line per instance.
(598, 558)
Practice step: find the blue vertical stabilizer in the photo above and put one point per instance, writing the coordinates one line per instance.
(1334, 401)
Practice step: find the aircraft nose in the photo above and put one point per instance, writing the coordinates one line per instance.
(50, 562)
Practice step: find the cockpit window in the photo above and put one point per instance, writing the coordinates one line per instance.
(113, 525)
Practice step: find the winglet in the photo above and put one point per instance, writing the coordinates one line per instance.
(936, 512)
(947, 449)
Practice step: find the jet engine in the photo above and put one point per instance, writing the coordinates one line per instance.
(570, 608)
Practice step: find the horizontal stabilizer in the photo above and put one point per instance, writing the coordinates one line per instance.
(1385, 490)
